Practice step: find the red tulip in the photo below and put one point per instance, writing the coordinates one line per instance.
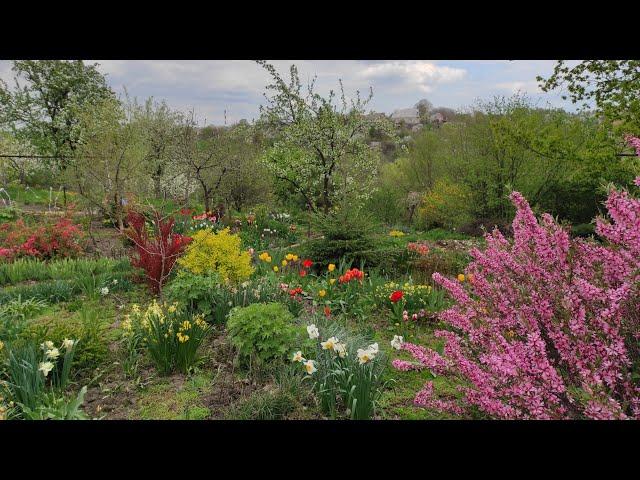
(396, 296)
(307, 263)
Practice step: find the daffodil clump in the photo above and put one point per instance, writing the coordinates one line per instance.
(169, 336)
(396, 233)
(220, 253)
(345, 377)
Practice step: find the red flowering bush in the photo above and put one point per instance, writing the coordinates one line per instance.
(156, 254)
(57, 240)
(549, 326)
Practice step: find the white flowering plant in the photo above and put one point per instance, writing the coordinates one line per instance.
(36, 376)
(346, 372)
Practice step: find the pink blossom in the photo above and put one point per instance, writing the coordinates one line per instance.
(549, 325)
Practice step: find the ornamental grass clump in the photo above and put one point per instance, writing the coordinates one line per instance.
(545, 326)
(171, 338)
(219, 253)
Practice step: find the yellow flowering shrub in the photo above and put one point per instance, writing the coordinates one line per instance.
(219, 253)
(447, 204)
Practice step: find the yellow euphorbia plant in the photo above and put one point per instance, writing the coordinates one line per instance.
(219, 253)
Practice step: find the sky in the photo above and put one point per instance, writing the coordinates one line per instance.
(212, 87)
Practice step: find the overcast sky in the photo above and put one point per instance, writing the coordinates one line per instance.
(213, 86)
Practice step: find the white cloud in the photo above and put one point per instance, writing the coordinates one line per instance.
(421, 75)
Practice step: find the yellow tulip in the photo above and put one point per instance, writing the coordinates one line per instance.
(322, 293)
(331, 267)
(275, 268)
(460, 277)
(284, 263)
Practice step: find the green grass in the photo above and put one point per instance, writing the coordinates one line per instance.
(163, 401)
(397, 400)
(38, 196)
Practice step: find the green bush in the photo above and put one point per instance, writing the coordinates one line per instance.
(262, 332)
(447, 204)
(583, 230)
(199, 293)
(345, 234)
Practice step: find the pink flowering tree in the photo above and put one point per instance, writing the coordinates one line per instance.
(548, 327)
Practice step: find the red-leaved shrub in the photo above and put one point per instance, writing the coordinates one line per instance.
(549, 326)
(155, 254)
(56, 240)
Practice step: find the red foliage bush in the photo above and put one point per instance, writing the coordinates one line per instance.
(60, 239)
(156, 254)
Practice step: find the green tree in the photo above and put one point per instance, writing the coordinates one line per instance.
(321, 152)
(159, 125)
(611, 86)
(109, 165)
(45, 105)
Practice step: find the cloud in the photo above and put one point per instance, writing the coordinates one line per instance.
(237, 86)
(421, 75)
(519, 86)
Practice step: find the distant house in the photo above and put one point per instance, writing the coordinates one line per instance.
(408, 116)
(437, 118)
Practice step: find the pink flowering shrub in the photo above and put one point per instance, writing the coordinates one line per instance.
(549, 327)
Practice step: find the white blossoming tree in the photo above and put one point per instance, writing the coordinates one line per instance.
(320, 150)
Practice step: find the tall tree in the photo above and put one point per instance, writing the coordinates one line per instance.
(45, 104)
(611, 86)
(321, 152)
(159, 125)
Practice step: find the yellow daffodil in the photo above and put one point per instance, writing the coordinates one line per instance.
(331, 267)
(297, 357)
(284, 263)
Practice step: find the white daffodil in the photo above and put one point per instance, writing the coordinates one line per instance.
(297, 357)
(310, 367)
(68, 344)
(397, 342)
(104, 291)
(48, 345)
(53, 354)
(340, 349)
(313, 332)
(373, 348)
(365, 356)
(329, 344)
(115, 281)
(45, 367)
